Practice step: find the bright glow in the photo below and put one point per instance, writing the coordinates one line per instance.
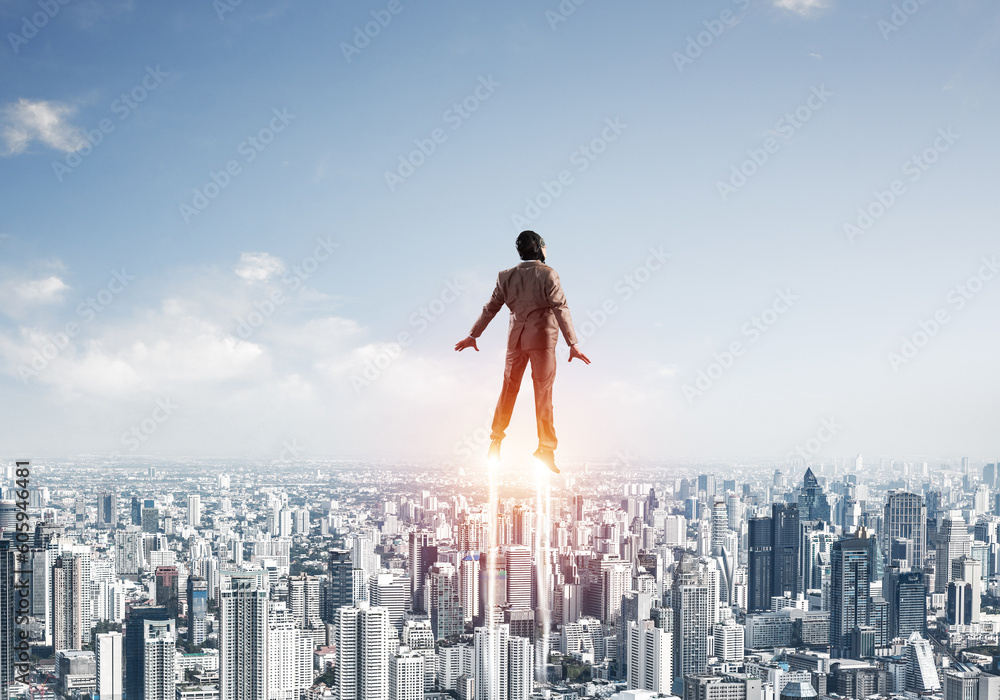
(543, 530)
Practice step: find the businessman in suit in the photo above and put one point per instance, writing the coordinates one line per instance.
(538, 312)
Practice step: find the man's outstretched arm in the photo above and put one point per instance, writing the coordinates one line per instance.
(557, 299)
(489, 311)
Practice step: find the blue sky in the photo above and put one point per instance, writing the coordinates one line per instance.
(250, 163)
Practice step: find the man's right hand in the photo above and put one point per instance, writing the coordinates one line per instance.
(574, 351)
(469, 342)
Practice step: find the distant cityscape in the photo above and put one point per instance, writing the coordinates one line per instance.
(212, 580)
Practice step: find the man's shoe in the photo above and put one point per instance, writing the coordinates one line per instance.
(548, 458)
(494, 453)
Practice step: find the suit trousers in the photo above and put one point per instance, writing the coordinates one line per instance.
(543, 375)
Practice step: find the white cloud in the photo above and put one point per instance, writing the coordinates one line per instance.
(259, 267)
(42, 291)
(19, 295)
(802, 7)
(25, 121)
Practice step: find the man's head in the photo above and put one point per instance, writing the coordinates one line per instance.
(530, 246)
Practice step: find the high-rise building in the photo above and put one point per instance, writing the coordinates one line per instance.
(849, 593)
(785, 549)
(135, 648)
(691, 601)
(953, 542)
(362, 670)
(906, 593)
(441, 590)
(197, 609)
(159, 642)
(393, 594)
(67, 602)
(518, 560)
(194, 510)
(720, 525)
(964, 591)
(303, 600)
(167, 581)
(921, 673)
(468, 586)
(650, 657)
(107, 510)
(289, 655)
(339, 590)
(130, 551)
(817, 540)
(759, 562)
(110, 658)
(906, 518)
(243, 622)
(813, 504)
(503, 665)
(422, 553)
(406, 675)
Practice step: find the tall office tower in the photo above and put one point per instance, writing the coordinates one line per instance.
(616, 582)
(197, 608)
(849, 593)
(159, 641)
(468, 586)
(362, 670)
(135, 650)
(422, 553)
(7, 616)
(289, 655)
(406, 675)
(243, 623)
(129, 552)
(729, 640)
(691, 601)
(817, 539)
(363, 553)
(906, 518)
(734, 511)
(503, 666)
(303, 600)
(921, 673)
(110, 659)
(706, 483)
(759, 562)
(419, 638)
(785, 549)
(150, 519)
(441, 591)
(813, 504)
(340, 585)
(650, 657)
(67, 603)
(194, 510)
(953, 542)
(876, 565)
(136, 511)
(579, 508)
(964, 591)
(391, 593)
(906, 593)
(674, 529)
(167, 582)
(520, 667)
(519, 578)
(107, 510)
(720, 526)
(523, 525)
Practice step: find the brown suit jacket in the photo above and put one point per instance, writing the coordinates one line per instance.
(538, 309)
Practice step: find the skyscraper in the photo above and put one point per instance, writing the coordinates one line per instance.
(109, 654)
(243, 636)
(849, 593)
(135, 648)
(340, 584)
(650, 657)
(422, 553)
(194, 510)
(759, 561)
(303, 600)
(289, 651)
(518, 560)
(362, 670)
(720, 525)
(197, 609)
(159, 665)
(953, 542)
(441, 589)
(386, 591)
(67, 603)
(166, 588)
(694, 605)
(906, 593)
(906, 518)
(813, 504)
(107, 510)
(785, 549)
(406, 675)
